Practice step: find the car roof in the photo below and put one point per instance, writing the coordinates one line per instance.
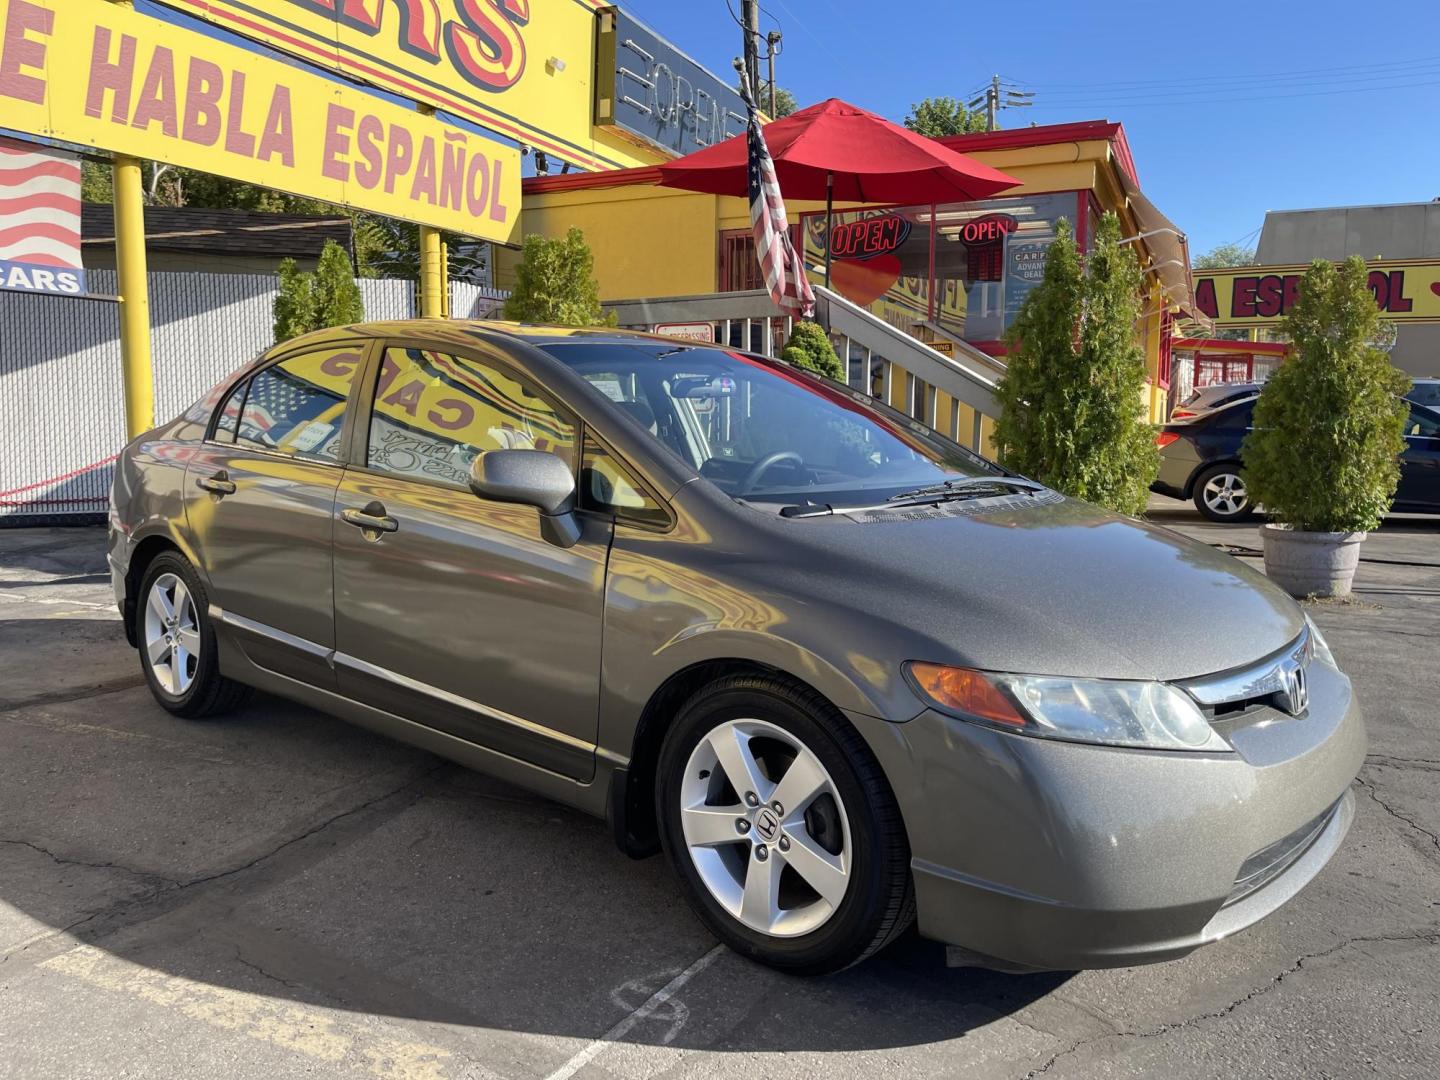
(484, 329)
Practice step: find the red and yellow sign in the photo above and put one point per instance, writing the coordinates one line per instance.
(94, 73)
(522, 68)
(1406, 291)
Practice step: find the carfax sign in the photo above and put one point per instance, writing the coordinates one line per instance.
(94, 73)
(39, 219)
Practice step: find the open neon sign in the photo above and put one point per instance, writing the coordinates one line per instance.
(988, 229)
(868, 237)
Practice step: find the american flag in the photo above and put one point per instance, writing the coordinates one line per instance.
(779, 261)
(39, 219)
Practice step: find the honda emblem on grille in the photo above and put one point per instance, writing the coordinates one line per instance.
(1296, 695)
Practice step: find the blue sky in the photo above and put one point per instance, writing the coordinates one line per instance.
(1231, 109)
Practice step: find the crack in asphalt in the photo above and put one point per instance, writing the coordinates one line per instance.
(1396, 814)
(171, 888)
(1389, 761)
(1430, 936)
(65, 860)
(240, 957)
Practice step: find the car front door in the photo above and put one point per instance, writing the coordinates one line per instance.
(1420, 463)
(455, 612)
(259, 500)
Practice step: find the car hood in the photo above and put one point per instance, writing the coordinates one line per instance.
(1045, 585)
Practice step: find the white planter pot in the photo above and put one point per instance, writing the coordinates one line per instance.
(1311, 563)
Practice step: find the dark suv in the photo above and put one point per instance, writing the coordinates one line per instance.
(1200, 460)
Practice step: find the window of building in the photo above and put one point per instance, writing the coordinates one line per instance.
(297, 406)
(435, 412)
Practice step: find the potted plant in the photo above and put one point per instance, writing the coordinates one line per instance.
(1323, 456)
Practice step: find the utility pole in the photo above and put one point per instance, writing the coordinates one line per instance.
(772, 49)
(997, 96)
(750, 12)
(992, 102)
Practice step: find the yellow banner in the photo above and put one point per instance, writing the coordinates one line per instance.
(1405, 291)
(522, 68)
(93, 73)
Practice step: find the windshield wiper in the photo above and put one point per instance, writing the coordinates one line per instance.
(970, 487)
(966, 487)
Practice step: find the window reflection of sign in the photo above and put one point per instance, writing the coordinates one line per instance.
(1024, 269)
(868, 237)
(654, 90)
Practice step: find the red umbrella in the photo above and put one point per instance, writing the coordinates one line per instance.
(835, 150)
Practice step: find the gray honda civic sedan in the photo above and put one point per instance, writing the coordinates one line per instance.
(845, 674)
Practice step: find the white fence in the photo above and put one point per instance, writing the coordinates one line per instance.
(61, 404)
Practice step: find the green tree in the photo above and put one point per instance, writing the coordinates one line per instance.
(810, 348)
(326, 297)
(785, 103)
(555, 283)
(1225, 255)
(1329, 425)
(1072, 410)
(940, 116)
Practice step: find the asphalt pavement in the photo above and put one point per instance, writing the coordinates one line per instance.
(278, 894)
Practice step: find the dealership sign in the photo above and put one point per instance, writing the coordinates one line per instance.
(520, 68)
(94, 73)
(1405, 291)
(39, 219)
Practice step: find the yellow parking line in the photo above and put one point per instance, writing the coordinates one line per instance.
(315, 1033)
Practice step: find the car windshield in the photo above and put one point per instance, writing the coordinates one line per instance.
(762, 431)
(1425, 393)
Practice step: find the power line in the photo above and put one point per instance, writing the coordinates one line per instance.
(1150, 102)
(1242, 86)
(1215, 78)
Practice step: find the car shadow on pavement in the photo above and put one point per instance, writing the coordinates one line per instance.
(283, 853)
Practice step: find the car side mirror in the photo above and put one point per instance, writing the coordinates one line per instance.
(535, 478)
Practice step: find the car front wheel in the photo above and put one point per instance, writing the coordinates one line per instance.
(782, 828)
(1220, 494)
(178, 652)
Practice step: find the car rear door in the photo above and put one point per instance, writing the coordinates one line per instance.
(454, 611)
(259, 498)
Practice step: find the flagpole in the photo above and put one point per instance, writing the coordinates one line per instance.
(829, 202)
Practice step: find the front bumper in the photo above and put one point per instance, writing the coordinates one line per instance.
(1052, 855)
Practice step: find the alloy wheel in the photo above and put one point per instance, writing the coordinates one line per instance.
(765, 828)
(1225, 494)
(172, 634)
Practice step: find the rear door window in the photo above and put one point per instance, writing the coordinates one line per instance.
(297, 405)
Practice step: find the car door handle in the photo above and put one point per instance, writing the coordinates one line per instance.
(220, 483)
(372, 519)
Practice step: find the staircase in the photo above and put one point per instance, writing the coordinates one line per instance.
(951, 394)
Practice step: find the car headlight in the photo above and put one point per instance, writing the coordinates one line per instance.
(1317, 639)
(1110, 712)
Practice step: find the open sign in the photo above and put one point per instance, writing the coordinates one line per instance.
(988, 229)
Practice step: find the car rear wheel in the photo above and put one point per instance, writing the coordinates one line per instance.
(178, 652)
(1220, 494)
(782, 828)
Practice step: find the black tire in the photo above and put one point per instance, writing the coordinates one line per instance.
(879, 902)
(1216, 508)
(210, 693)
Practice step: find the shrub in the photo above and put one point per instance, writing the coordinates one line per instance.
(554, 283)
(314, 301)
(809, 347)
(1072, 407)
(1329, 426)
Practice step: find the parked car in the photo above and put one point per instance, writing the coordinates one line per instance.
(844, 673)
(1205, 398)
(1200, 460)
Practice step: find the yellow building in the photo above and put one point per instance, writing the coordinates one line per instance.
(953, 276)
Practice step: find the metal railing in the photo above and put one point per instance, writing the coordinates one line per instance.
(954, 395)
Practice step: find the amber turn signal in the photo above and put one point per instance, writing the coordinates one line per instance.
(966, 691)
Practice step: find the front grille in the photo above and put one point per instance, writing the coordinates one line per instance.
(1274, 859)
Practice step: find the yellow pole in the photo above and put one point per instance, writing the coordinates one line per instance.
(138, 376)
(432, 274)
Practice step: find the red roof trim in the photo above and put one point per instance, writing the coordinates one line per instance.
(643, 174)
(1048, 135)
(1259, 348)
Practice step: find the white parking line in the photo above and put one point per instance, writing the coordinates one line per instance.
(620, 1030)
